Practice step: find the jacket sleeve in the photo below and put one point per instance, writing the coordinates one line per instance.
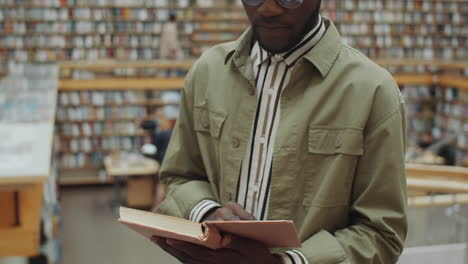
(378, 223)
(183, 172)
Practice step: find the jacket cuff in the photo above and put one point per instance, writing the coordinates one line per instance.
(200, 210)
(184, 198)
(293, 257)
(323, 247)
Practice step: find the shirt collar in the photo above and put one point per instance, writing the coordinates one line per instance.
(322, 56)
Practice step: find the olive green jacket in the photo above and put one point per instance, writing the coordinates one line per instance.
(338, 163)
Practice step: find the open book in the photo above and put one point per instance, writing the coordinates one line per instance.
(275, 234)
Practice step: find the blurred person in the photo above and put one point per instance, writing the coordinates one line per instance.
(159, 128)
(169, 42)
(288, 122)
(446, 151)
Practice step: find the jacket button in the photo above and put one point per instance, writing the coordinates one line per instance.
(338, 142)
(235, 142)
(205, 121)
(252, 92)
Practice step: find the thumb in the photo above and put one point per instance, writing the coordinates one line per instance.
(226, 240)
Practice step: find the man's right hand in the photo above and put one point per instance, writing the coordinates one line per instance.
(229, 212)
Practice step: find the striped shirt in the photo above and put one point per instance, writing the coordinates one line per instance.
(273, 73)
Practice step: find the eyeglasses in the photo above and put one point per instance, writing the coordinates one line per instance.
(284, 3)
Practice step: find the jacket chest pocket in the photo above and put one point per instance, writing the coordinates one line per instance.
(331, 160)
(207, 121)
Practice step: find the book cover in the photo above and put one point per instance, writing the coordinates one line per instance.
(274, 234)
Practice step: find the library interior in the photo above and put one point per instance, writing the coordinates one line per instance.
(91, 91)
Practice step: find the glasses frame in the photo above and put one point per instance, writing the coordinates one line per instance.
(280, 2)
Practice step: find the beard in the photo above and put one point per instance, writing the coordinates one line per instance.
(293, 38)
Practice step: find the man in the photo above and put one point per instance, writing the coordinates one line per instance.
(289, 123)
(169, 44)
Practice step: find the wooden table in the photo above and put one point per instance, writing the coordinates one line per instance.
(137, 188)
(20, 214)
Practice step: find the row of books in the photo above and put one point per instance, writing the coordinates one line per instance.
(82, 13)
(409, 5)
(127, 53)
(77, 74)
(105, 144)
(220, 15)
(81, 160)
(398, 29)
(449, 94)
(443, 96)
(103, 3)
(417, 93)
(215, 36)
(421, 53)
(38, 41)
(420, 69)
(439, 110)
(455, 110)
(87, 27)
(100, 98)
(89, 113)
(99, 129)
(408, 41)
(123, 41)
(448, 123)
(386, 16)
(54, 54)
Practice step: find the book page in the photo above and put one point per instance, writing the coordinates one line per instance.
(162, 222)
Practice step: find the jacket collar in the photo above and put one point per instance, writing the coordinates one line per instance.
(322, 56)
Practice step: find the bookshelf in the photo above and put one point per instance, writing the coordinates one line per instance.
(50, 30)
(100, 106)
(436, 94)
(402, 29)
(85, 139)
(72, 30)
(217, 23)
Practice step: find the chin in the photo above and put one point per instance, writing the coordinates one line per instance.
(274, 46)
(275, 49)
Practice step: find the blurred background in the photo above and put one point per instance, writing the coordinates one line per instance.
(89, 93)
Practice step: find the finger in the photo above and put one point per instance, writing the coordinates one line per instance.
(157, 240)
(176, 253)
(238, 210)
(193, 250)
(226, 240)
(225, 214)
(242, 244)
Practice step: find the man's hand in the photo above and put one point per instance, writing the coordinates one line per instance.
(239, 250)
(229, 212)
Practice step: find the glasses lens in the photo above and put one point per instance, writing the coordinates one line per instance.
(253, 2)
(291, 3)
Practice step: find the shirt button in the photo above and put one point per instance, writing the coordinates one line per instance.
(262, 140)
(235, 142)
(270, 92)
(254, 188)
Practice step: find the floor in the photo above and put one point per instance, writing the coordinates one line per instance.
(92, 235)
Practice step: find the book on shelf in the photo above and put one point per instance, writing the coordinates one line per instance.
(211, 234)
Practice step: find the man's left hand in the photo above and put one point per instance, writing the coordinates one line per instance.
(238, 251)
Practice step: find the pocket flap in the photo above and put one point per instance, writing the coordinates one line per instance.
(208, 121)
(332, 140)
